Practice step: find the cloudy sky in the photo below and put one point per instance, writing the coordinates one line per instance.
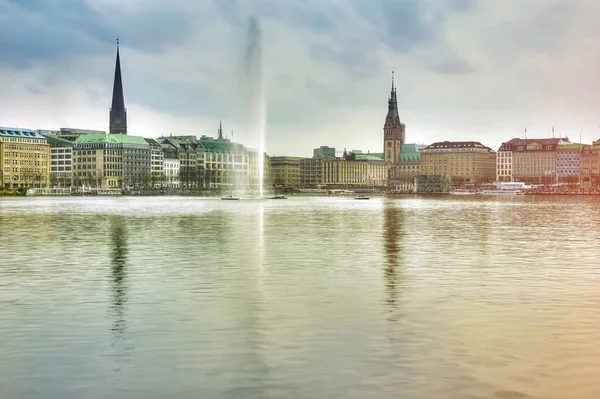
(465, 69)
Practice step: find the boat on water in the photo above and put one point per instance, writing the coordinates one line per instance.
(278, 197)
(230, 198)
(500, 192)
(462, 192)
(361, 197)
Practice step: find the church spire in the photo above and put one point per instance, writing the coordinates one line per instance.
(118, 113)
(220, 138)
(392, 117)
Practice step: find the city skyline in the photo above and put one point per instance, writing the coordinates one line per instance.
(327, 84)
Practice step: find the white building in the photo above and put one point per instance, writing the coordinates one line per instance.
(171, 168)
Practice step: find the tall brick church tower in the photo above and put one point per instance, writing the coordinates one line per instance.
(393, 130)
(118, 112)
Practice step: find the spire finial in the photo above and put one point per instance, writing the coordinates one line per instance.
(117, 41)
(392, 80)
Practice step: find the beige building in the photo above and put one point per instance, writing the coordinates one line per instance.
(25, 159)
(354, 173)
(532, 161)
(285, 171)
(463, 161)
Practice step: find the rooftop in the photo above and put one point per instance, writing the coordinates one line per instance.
(456, 144)
(17, 132)
(110, 138)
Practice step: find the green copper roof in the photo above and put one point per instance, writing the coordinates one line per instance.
(220, 146)
(409, 152)
(110, 138)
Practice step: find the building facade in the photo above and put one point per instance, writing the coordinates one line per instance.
(533, 160)
(111, 160)
(157, 161)
(311, 172)
(61, 161)
(403, 173)
(171, 170)
(25, 159)
(568, 163)
(285, 171)
(590, 165)
(393, 129)
(464, 161)
(350, 173)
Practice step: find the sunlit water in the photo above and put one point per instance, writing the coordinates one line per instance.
(301, 298)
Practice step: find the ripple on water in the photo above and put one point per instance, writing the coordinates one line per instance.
(309, 297)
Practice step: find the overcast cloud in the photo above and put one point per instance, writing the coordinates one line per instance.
(466, 69)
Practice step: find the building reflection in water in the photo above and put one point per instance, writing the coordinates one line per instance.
(118, 277)
(392, 236)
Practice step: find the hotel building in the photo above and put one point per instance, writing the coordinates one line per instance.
(25, 159)
(464, 161)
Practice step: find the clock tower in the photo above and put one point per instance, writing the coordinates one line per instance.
(118, 113)
(393, 129)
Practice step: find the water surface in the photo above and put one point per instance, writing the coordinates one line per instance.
(301, 298)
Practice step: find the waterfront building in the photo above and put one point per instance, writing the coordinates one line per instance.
(285, 171)
(463, 161)
(25, 159)
(157, 167)
(504, 163)
(532, 161)
(352, 172)
(118, 113)
(402, 174)
(171, 170)
(211, 163)
(61, 161)
(568, 163)
(393, 129)
(433, 183)
(311, 172)
(324, 152)
(590, 164)
(111, 160)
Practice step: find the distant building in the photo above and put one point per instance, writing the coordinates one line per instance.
(61, 161)
(311, 172)
(403, 173)
(532, 161)
(463, 161)
(354, 171)
(324, 152)
(24, 159)
(285, 171)
(111, 160)
(393, 129)
(156, 160)
(433, 183)
(210, 163)
(590, 165)
(568, 163)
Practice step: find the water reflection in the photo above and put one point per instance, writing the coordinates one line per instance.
(392, 231)
(118, 277)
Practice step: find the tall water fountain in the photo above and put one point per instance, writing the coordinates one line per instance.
(255, 93)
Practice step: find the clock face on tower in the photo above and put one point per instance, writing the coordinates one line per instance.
(118, 121)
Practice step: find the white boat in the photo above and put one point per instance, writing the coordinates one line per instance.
(462, 192)
(361, 197)
(230, 198)
(500, 192)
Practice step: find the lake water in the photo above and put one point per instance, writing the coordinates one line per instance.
(412, 297)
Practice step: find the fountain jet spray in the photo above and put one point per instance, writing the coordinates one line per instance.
(254, 80)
